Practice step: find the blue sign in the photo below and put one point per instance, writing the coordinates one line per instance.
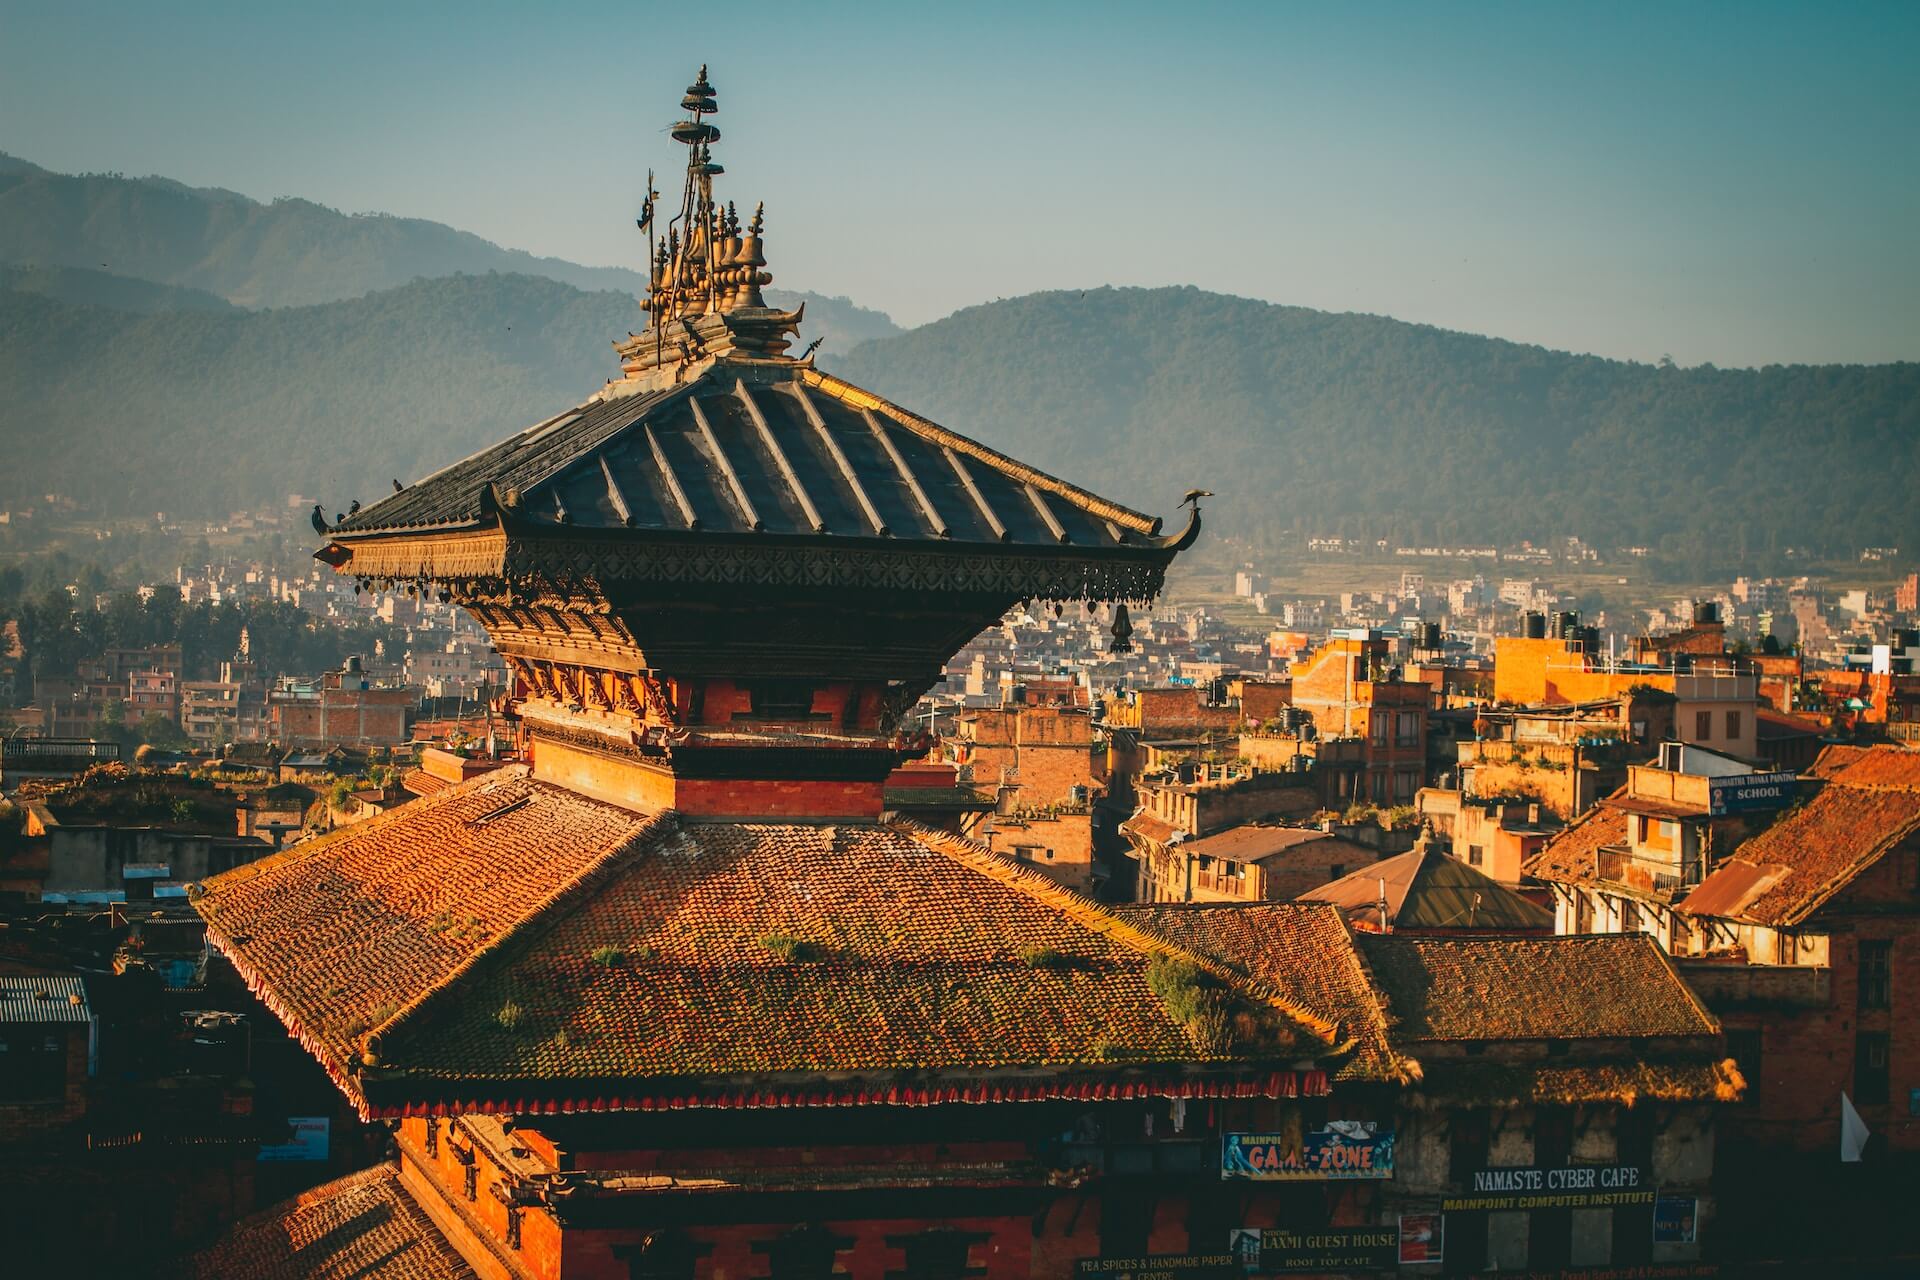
(1676, 1220)
(1750, 792)
(1338, 1153)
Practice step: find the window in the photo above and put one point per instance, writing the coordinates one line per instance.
(1870, 1068)
(1407, 733)
(1733, 724)
(1876, 973)
(1467, 1141)
(1582, 913)
(1629, 916)
(781, 700)
(1405, 783)
(1380, 721)
(1477, 855)
(1702, 725)
(1336, 870)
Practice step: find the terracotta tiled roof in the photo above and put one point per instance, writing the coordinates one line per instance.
(1869, 804)
(1256, 842)
(1148, 827)
(1833, 759)
(422, 783)
(1881, 766)
(1609, 986)
(567, 950)
(1303, 949)
(364, 1226)
(1573, 855)
(338, 934)
(1488, 1084)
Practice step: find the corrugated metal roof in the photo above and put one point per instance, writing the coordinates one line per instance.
(787, 454)
(56, 998)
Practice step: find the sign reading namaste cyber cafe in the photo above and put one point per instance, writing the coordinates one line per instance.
(1276, 1251)
(1574, 1186)
(1345, 1149)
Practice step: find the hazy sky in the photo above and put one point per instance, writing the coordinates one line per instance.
(1737, 183)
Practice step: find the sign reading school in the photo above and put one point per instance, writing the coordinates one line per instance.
(1324, 1155)
(1750, 792)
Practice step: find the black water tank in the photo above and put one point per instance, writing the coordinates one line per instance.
(1705, 611)
(1430, 635)
(1534, 625)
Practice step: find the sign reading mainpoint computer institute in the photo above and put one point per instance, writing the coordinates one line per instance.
(1575, 1186)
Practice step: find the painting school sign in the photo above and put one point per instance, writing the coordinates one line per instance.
(1324, 1155)
(1565, 1187)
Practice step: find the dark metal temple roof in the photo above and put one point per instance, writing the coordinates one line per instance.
(787, 451)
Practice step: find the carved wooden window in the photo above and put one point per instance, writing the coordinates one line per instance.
(937, 1255)
(806, 1254)
(433, 1136)
(667, 1254)
(472, 1186)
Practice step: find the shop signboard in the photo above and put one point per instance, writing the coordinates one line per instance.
(1676, 1220)
(307, 1140)
(1750, 792)
(1163, 1266)
(1341, 1152)
(1422, 1238)
(1574, 1186)
(1279, 1251)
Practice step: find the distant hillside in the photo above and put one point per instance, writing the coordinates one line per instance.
(291, 252)
(1306, 421)
(103, 289)
(203, 412)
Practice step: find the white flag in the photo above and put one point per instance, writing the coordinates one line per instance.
(1853, 1134)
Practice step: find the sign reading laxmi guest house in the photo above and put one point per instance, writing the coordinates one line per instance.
(1349, 1151)
(1566, 1187)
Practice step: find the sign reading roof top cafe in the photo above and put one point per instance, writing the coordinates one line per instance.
(1344, 1150)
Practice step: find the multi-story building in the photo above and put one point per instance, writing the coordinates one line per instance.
(342, 707)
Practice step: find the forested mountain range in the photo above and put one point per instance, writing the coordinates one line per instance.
(291, 252)
(1308, 421)
(144, 386)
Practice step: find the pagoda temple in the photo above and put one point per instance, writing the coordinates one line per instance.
(673, 997)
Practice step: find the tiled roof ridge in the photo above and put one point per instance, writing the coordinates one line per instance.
(206, 902)
(861, 398)
(1842, 878)
(1634, 941)
(1537, 867)
(1406, 1067)
(543, 916)
(1091, 915)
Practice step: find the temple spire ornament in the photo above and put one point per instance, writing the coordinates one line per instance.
(703, 299)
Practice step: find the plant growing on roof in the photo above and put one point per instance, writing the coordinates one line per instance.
(510, 1015)
(609, 956)
(1194, 998)
(1045, 958)
(793, 950)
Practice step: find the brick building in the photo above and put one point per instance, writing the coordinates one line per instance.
(1372, 726)
(343, 707)
(47, 1045)
(1802, 939)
